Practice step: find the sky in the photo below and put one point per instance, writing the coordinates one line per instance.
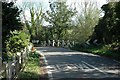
(45, 4)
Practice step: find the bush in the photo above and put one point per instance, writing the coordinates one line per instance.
(18, 41)
(113, 47)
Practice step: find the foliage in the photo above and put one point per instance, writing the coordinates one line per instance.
(10, 22)
(99, 50)
(18, 41)
(10, 15)
(32, 68)
(34, 24)
(107, 31)
(86, 19)
(60, 19)
(34, 55)
(113, 47)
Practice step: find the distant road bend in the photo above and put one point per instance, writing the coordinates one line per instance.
(65, 64)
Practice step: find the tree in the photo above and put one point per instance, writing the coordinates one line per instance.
(85, 21)
(10, 16)
(60, 19)
(108, 26)
(10, 20)
(34, 24)
(107, 31)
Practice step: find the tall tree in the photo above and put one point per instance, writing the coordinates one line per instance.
(85, 21)
(107, 30)
(34, 23)
(10, 20)
(60, 18)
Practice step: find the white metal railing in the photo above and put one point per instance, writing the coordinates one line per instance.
(58, 43)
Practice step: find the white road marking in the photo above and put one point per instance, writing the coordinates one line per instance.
(68, 67)
(94, 67)
(57, 66)
(73, 66)
(85, 66)
(80, 66)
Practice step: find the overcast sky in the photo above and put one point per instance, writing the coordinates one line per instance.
(45, 4)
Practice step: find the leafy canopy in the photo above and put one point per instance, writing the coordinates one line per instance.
(60, 18)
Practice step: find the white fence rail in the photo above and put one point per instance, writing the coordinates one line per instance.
(12, 68)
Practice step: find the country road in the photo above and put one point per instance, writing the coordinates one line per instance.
(65, 64)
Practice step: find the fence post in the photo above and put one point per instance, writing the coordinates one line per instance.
(58, 43)
(53, 43)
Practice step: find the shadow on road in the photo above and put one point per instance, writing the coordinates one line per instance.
(66, 64)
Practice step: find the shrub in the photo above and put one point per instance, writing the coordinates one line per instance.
(113, 47)
(18, 41)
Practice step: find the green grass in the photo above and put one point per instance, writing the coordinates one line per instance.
(99, 50)
(32, 68)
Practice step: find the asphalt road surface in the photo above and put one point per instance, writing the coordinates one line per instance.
(65, 64)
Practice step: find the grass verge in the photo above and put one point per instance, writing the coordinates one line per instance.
(32, 68)
(99, 50)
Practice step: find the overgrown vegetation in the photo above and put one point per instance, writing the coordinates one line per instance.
(14, 37)
(85, 20)
(17, 42)
(107, 31)
(34, 24)
(32, 68)
(10, 22)
(102, 50)
(10, 19)
(60, 18)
